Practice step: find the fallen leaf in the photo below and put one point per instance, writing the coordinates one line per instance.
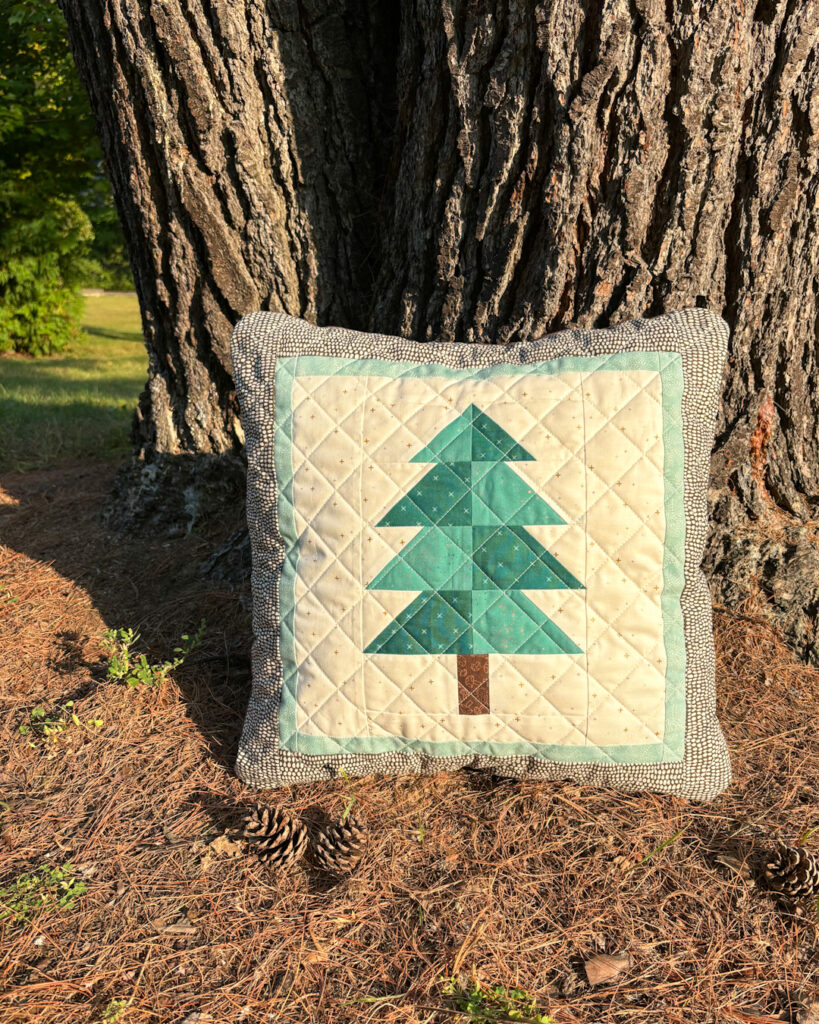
(220, 848)
(606, 967)
(738, 865)
(224, 846)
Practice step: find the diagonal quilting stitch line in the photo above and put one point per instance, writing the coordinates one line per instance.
(501, 456)
(532, 544)
(610, 420)
(610, 488)
(501, 594)
(612, 624)
(466, 552)
(408, 497)
(641, 656)
(476, 496)
(640, 455)
(422, 441)
(430, 662)
(334, 565)
(572, 729)
(610, 556)
(400, 628)
(536, 696)
(504, 590)
(659, 703)
(485, 505)
(404, 693)
(630, 711)
(401, 555)
(338, 690)
(557, 710)
(527, 539)
(331, 566)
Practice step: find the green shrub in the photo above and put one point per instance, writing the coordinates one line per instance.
(41, 258)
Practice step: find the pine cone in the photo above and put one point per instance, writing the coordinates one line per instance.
(793, 871)
(338, 848)
(275, 837)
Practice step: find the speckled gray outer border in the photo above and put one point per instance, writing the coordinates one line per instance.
(260, 338)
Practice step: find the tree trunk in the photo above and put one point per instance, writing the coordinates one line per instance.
(238, 140)
(483, 175)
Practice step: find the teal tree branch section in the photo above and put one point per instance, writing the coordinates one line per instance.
(473, 555)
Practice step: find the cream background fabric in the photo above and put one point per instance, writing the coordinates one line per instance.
(597, 442)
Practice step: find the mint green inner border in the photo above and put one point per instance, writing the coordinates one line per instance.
(669, 365)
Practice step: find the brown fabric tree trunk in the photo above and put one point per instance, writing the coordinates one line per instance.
(473, 684)
(482, 173)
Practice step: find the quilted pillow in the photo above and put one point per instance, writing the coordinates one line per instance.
(481, 555)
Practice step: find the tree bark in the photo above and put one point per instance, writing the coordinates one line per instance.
(238, 140)
(483, 173)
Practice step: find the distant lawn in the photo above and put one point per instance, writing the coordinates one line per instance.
(77, 404)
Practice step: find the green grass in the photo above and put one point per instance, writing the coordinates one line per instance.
(78, 404)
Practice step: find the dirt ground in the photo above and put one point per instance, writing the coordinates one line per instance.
(513, 883)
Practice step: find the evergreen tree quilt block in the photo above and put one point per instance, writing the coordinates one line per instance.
(486, 556)
(471, 559)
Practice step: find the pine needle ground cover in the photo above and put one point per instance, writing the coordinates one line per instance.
(80, 402)
(476, 898)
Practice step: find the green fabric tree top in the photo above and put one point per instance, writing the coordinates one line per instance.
(473, 556)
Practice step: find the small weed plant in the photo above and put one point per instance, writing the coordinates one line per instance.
(350, 799)
(491, 1005)
(114, 1011)
(124, 666)
(48, 727)
(46, 889)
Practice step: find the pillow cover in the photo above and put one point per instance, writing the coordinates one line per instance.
(481, 555)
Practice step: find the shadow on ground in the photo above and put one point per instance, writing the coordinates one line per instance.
(152, 583)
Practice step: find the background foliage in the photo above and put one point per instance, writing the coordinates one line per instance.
(58, 226)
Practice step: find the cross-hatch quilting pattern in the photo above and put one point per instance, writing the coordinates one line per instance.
(568, 705)
(335, 565)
